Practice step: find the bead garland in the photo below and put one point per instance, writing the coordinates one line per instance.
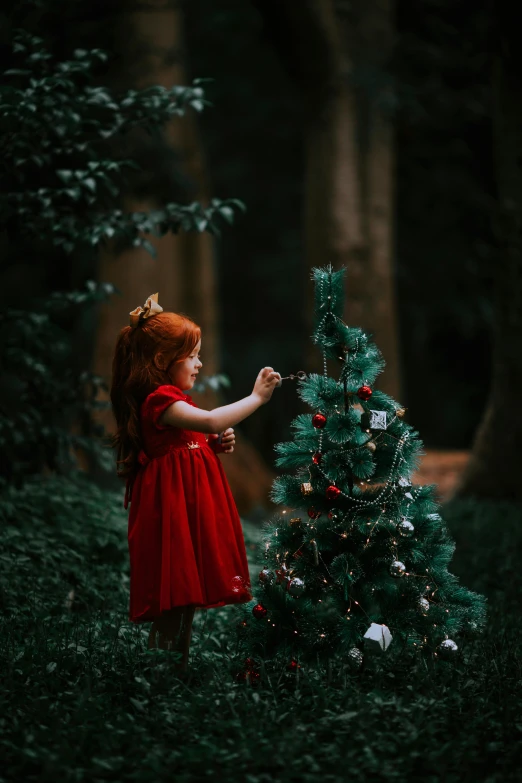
(356, 501)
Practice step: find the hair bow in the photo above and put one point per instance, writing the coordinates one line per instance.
(151, 307)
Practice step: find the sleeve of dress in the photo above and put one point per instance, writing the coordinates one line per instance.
(160, 400)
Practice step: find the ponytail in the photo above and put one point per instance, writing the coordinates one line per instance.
(127, 439)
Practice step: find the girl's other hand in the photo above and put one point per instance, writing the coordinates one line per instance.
(265, 384)
(228, 441)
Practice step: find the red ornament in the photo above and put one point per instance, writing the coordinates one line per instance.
(293, 666)
(313, 514)
(319, 420)
(282, 573)
(332, 493)
(253, 678)
(240, 586)
(259, 611)
(364, 393)
(316, 459)
(249, 676)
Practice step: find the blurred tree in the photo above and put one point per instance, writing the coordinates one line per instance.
(60, 182)
(339, 52)
(494, 468)
(150, 50)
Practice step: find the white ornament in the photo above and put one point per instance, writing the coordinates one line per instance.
(424, 605)
(447, 648)
(377, 420)
(377, 638)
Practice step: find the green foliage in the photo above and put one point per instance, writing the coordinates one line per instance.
(59, 535)
(81, 698)
(63, 175)
(62, 189)
(46, 397)
(367, 546)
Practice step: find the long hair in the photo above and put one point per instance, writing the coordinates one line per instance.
(135, 375)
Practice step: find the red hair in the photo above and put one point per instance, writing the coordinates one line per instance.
(135, 375)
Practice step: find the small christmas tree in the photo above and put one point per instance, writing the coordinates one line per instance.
(358, 566)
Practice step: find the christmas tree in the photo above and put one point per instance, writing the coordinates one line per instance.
(356, 564)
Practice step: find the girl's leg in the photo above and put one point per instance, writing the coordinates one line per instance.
(165, 629)
(185, 635)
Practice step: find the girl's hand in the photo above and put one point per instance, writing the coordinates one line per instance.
(265, 384)
(228, 440)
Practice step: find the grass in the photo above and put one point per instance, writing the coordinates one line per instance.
(82, 700)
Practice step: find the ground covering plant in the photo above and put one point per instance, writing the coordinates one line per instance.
(82, 700)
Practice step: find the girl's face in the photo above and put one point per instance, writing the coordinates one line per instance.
(183, 374)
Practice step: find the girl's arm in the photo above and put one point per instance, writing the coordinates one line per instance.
(181, 414)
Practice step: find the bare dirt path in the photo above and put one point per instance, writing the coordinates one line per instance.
(442, 468)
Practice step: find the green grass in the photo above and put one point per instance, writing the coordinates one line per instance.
(82, 700)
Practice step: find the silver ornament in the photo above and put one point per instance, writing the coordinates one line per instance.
(405, 528)
(434, 517)
(424, 605)
(397, 568)
(377, 420)
(266, 576)
(296, 587)
(377, 638)
(447, 648)
(354, 658)
(404, 482)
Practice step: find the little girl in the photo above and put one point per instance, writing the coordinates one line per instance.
(185, 538)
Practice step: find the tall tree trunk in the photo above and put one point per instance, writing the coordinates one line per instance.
(184, 271)
(495, 465)
(338, 55)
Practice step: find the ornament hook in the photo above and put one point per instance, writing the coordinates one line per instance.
(300, 375)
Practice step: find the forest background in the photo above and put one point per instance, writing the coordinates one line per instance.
(384, 137)
(356, 134)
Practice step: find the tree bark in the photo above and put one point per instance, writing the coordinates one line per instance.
(184, 271)
(337, 55)
(495, 465)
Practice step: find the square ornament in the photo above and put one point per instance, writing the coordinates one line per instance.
(378, 420)
(377, 638)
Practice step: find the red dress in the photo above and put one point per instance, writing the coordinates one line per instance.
(186, 543)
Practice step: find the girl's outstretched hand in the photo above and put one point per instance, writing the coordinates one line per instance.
(228, 441)
(265, 384)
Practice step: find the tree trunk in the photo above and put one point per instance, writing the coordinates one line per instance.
(338, 56)
(495, 464)
(184, 271)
